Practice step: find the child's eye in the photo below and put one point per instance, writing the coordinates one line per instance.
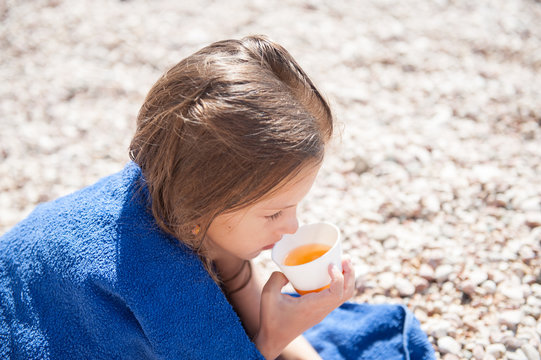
(274, 216)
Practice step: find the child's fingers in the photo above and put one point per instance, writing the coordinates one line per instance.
(349, 278)
(275, 283)
(337, 281)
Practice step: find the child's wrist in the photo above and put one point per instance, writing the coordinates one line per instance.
(265, 346)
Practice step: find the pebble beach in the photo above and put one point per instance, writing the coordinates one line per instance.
(434, 174)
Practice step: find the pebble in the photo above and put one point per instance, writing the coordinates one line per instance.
(443, 272)
(426, 272)
(526, 253)
(386, 280)
(450, 357)
(530, 352)
(530, 322)
(533, 219)
(431, 203)
(516, 355)
(360, 165)
(531, 205)
(468, 287)
(533, 311)
(440, 329)
(420, 285)
(447, 344)
(513, 292)
(478, 352)
(404, 287)
(536, 289)
(477, 277)
(511, 318)
(496, 350)
(489, 286)
(512, 343)
(435, 257)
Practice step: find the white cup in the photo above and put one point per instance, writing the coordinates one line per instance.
(314, 275)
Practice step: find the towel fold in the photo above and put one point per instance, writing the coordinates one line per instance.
(91, 276)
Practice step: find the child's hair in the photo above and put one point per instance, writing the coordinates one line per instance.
(222, 129)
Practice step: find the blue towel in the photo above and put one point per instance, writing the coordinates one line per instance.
(370, 332)
(91, 276)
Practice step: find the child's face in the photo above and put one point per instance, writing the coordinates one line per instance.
(247, 232)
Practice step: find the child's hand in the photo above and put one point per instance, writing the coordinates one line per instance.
(283, 317)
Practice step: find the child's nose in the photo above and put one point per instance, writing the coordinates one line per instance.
(291, 225)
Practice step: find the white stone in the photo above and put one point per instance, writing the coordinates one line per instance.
(511, 318)
(529, 321)
(420, 284)
(478, 352)
(404, 287)
(526, 253)
(447, 344)
(536, 289)
(468, 287)
(533, 219)
(431, 203)
(489, 286)
(531, 205)
(477, 277)
(443, 272)
(386, 280)
(530, 352)
(426, 272)
(496, 350)
(439, 329)
(511, 291)
(516, 355)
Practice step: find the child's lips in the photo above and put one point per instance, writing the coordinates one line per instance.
(268, 247)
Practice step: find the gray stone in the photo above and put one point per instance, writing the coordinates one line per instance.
(512, 343)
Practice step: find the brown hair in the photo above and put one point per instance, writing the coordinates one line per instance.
(222, 129)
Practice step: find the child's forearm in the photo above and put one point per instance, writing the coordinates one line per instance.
(247, 303)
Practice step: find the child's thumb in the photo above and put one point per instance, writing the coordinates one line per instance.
(276, 282)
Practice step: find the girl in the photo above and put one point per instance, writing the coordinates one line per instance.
(155, 261)
(229, 141)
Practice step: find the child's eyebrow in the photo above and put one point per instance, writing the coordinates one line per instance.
(281, 208)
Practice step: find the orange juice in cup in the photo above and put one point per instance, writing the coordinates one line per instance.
(305, 253)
